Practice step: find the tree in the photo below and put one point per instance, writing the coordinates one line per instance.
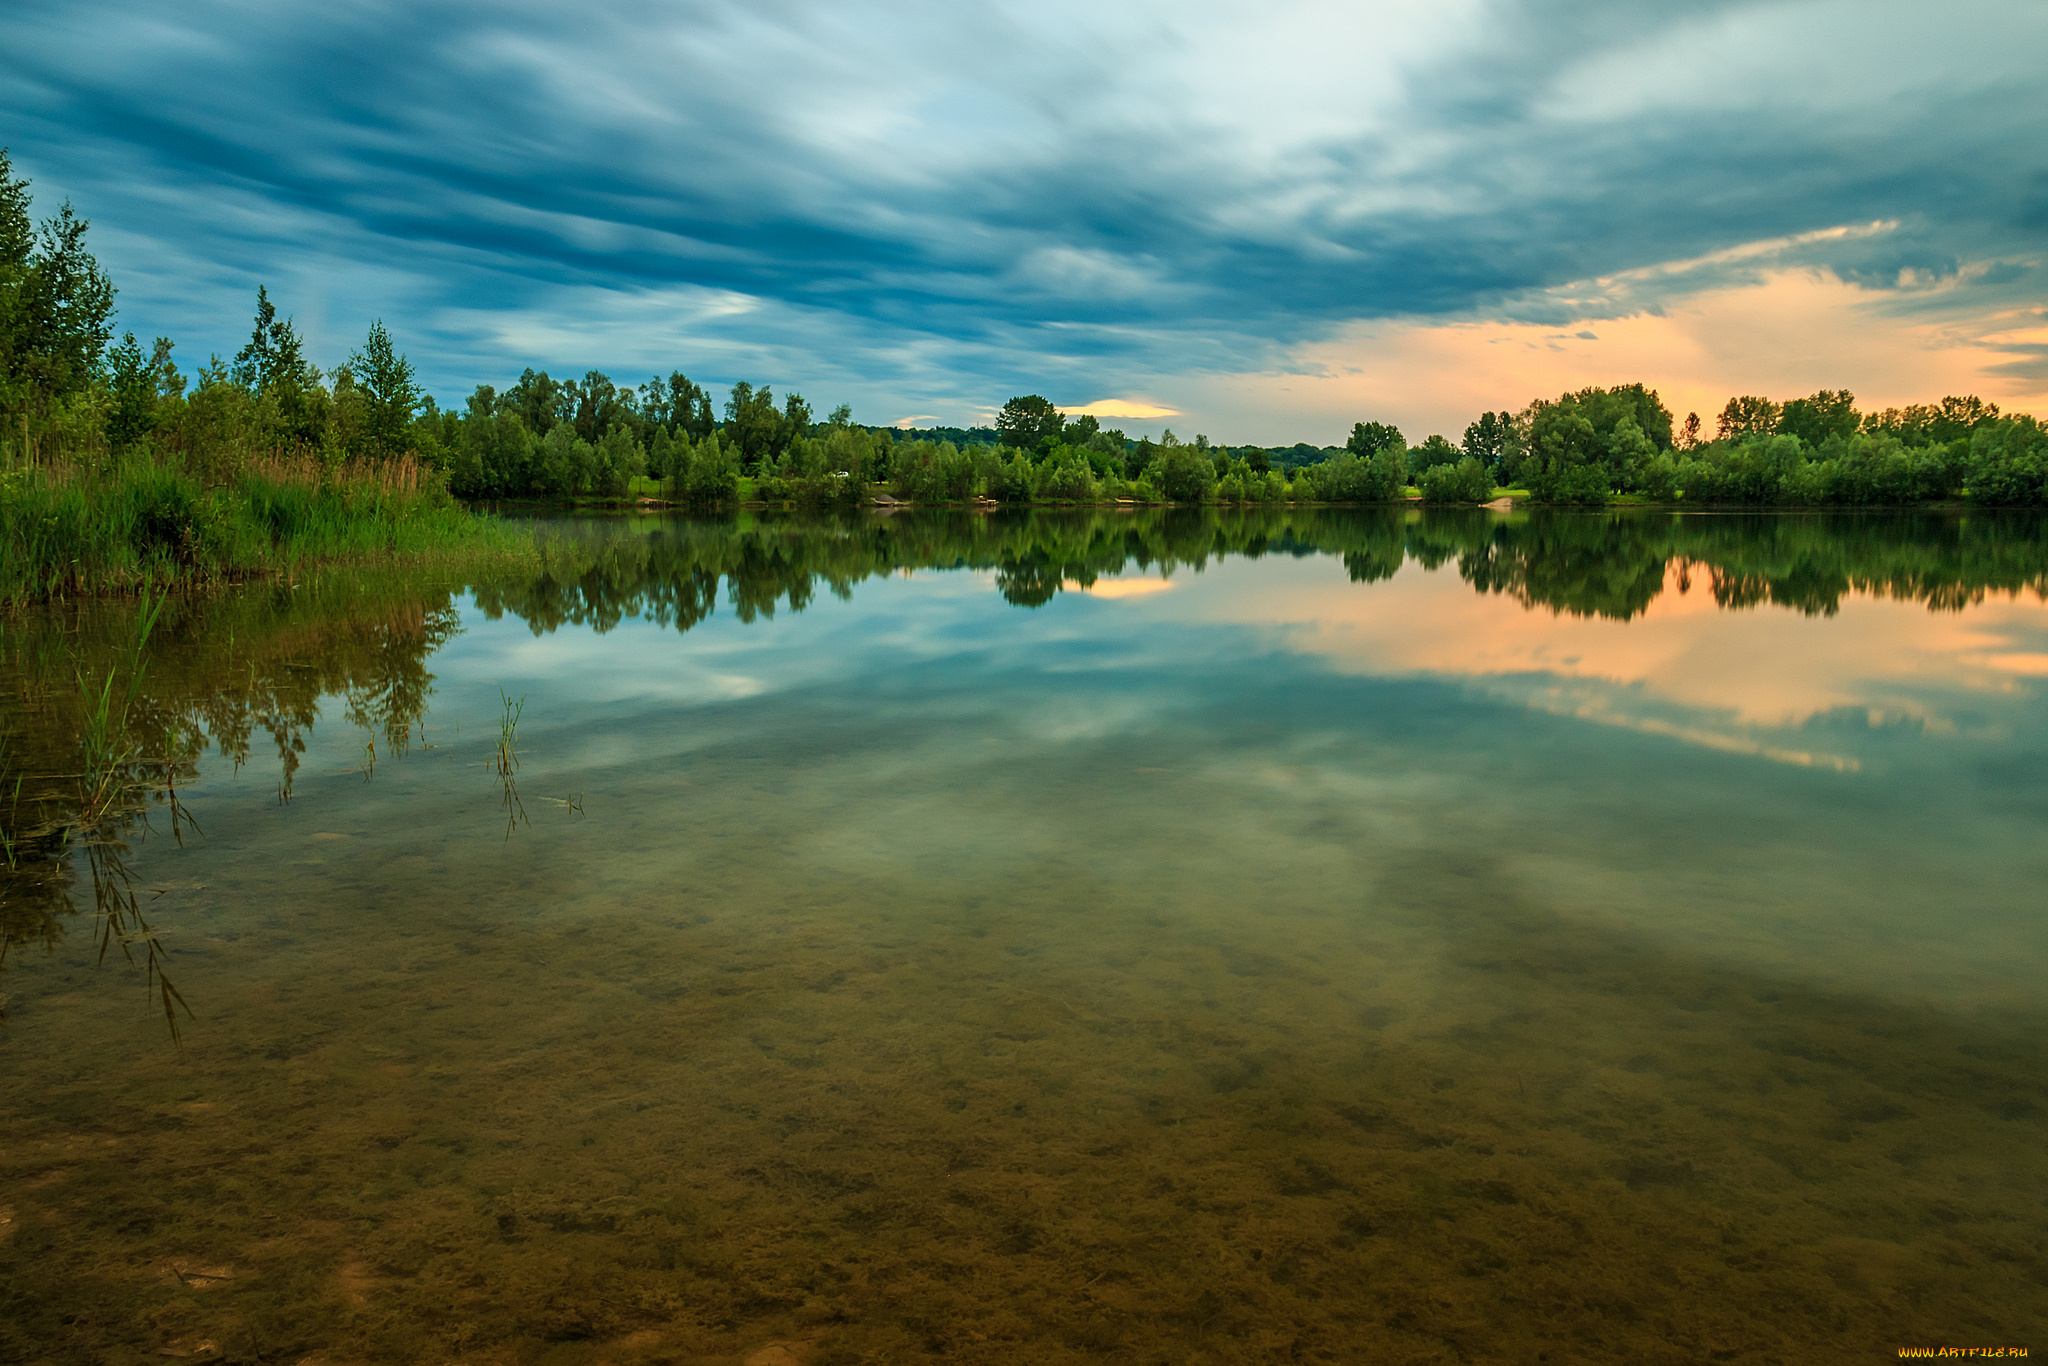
(390, 397)
(272, 352)
(753, 429)
(1589, 443)
(1437, 450)
(1831, 412)
(1028, 420)
(796, 421)
(55, 306)
(132, 386)
(1962, 416)
(1748, 415)
(1349, 477)
(1182, 474)
(1466, 481)
(1488, 440)
(1370, 438)
(686, 406)
(600, 405)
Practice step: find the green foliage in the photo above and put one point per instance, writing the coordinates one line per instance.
(1068, 478)
(1748, 416)
(1929, 424)
(1011, 481)
(932, 472)
(753, 429)
(132, 386)
(1492, 441)
(1467, 481)
(1587, 445)
(1351, 478)
(56, 306)
(705, 474)
(1028, 421)
(1181, 474)
(1831, 412)
(2008, 464)
(141, 519)
(1866, 469)
(1370, 438)
(390, 397)
(1433, 452)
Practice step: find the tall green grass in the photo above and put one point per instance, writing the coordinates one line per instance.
(68, 531)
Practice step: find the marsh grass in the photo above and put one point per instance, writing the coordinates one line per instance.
(504, 761)
(69, 530)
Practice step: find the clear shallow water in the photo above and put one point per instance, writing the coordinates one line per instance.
(1104, 938)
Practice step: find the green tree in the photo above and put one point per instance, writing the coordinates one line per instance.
(1466, 481)
(1437, 450)
(272, 354)
(1489, 439)
(1182, 474)
(796, 421)
(753, 429)
(1831, 412)
(1592, 442)
(1028, 420)
(1748, 415)
(55, 307)
(390, 397)
(1349, 477)
(1370, 438)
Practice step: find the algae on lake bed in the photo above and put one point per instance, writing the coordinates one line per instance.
(925, 980)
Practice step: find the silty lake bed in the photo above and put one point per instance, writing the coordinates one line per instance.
(1141, 937)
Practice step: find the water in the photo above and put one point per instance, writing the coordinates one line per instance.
(1113, 937)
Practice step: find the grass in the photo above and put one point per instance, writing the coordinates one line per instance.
(68, 531)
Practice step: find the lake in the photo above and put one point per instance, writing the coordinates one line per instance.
(1107, 936)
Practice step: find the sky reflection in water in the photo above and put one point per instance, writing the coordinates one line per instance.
(1294, 954)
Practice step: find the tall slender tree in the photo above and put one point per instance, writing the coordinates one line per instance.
(391, 397)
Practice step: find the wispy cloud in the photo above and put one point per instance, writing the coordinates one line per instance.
(922, 206)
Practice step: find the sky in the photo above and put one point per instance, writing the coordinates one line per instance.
(1261, 223)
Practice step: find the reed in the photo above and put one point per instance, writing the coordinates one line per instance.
(71, 529)
(504, 760)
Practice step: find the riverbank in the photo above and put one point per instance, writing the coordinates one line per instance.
(70, 531)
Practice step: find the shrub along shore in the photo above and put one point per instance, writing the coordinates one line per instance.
(66, 530)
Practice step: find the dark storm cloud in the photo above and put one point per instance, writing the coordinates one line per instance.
(920, 198)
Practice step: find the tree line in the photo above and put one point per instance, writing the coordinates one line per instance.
(68, 388)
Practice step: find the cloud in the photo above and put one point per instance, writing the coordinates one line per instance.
(925, 206)
(1122, 407)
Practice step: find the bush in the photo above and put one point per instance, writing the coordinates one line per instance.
(932, 472)
(1181, 474)
(702, 474)
(1068, 480)
(1350, 478)
(2008, 464)
(1465, 482)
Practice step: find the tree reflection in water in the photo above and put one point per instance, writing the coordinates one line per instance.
(106, 707)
